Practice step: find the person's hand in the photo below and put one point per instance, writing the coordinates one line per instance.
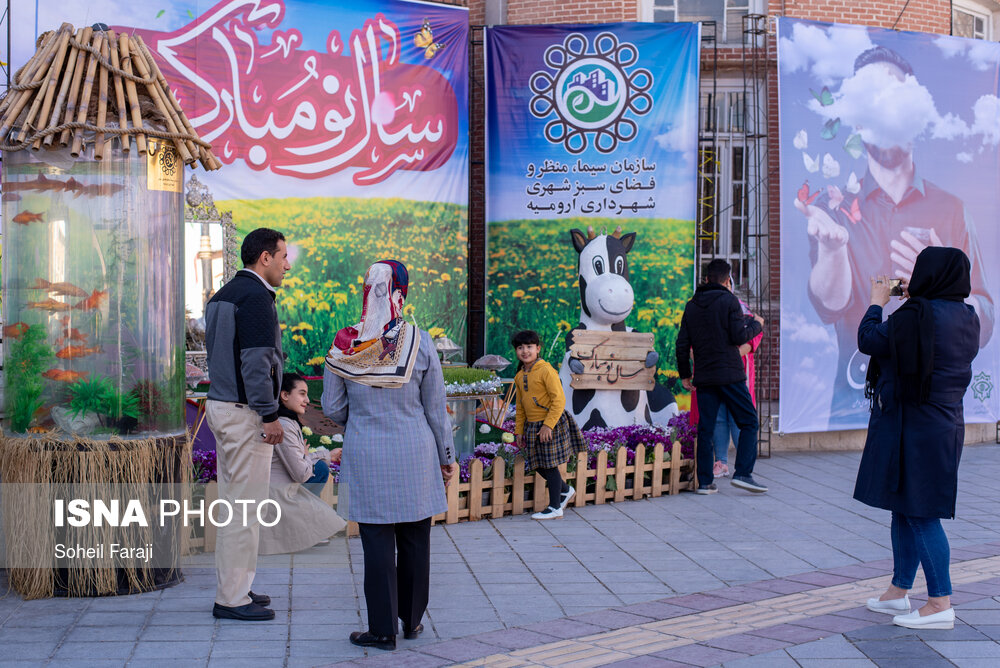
(907, 248)
(448, 472)
(273, 433)
(519, 440)
(745, 349)
(545, 433)
(335, 455)
(687, 385)
(880, 291)
(759, 319)
(819, 225)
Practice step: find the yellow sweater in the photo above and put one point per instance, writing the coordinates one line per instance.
(543, 400)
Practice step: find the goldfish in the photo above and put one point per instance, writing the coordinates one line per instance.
(49, 305)
(72, 334)
(26, 217)
(15, 331)
(64, 375)
(10, 197)
(72, 352)
(94, 301)
(67, 290)
(40, 284)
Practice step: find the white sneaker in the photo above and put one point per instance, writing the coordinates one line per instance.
(939, 620)
(566, 497)
(896, 606)
(549, 513)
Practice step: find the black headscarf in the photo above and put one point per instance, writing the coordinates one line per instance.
(939, 273)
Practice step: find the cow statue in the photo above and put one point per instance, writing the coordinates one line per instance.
(606, 299)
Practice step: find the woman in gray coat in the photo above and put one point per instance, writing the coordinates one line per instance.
(383, 382)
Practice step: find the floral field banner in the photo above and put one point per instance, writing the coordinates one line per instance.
(590, 125)
(888, 145)
(343, 125)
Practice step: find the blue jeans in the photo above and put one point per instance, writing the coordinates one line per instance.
(321, 472)
(920, 541)
(725, 429)
(736, 398)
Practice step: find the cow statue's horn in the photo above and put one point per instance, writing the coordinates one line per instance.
(618, 232)
(590, 233)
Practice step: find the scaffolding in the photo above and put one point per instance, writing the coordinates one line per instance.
(759, 246)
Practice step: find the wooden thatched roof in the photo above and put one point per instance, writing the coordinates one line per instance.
(92, 85)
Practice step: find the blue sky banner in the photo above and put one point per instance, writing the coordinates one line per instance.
(344, 125)
(590, 125)
(888, 145)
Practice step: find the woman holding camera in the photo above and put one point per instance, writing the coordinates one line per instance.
(920, 368)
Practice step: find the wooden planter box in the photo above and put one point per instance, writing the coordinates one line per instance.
(499, 496)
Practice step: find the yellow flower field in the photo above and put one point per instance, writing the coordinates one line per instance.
(333, 242)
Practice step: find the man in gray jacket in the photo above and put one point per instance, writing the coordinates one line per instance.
(245, 364)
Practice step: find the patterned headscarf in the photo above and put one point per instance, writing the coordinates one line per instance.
(381, 349)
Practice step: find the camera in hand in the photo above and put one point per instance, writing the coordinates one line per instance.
(895, 287)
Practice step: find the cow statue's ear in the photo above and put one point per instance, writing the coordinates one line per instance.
(628, 240)
(579, 241)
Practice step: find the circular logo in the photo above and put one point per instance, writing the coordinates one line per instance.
(593, 91)
(168, 161)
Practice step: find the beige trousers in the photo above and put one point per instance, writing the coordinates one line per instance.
(244, 470)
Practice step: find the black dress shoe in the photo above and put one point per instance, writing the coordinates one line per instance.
(251, 612)
(410, 634)
(366, 639)
(260, 599)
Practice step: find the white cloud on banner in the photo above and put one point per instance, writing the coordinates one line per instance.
(828, 52)
(886, 111)
(987, 119)
(982, 54)
(680, 139)
(797, 328)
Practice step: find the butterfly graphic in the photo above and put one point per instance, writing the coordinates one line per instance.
(424, 39)
(831, 168)
(812, 164)
(804, 196)
(824, 97)
(853, 185)
(854, 213)
(834, 197)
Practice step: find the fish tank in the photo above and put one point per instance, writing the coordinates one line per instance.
(93, 306)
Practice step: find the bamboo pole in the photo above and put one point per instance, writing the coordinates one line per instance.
(172, 104)
(67, 79)
(22, 77)
(100, 146)
(154, 92)
(74, 89)
(133, 95)
(88, 85)
(119, 93)
(35, 73)
(51, 72)
(53, 82)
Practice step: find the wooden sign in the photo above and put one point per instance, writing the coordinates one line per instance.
(612, 360)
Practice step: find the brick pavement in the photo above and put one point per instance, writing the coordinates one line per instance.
(731, 579)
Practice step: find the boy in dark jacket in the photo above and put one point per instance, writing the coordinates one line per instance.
(712, 329)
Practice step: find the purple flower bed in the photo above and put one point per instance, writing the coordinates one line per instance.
(608, 440)
(203, 465)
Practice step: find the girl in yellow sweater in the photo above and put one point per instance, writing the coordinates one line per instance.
(546, 433)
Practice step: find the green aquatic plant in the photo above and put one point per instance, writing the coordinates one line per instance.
(28, 358)
(97, 394)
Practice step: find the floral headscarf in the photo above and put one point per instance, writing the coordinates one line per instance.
(382, 348)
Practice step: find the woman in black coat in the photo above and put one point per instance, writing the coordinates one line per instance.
(921, 365)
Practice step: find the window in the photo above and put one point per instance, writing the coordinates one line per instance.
(727, 179)
(727, 14)
(974, 19)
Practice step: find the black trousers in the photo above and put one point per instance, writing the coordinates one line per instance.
(736, 398)
(397, 573)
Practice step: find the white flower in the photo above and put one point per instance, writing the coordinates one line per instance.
(507, 437)
(306, 431)
(325, 440)
(484, 428)
(339, 438)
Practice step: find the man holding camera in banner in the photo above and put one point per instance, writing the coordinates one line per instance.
(879, 229)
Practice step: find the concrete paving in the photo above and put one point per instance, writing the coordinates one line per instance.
(730, 579)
